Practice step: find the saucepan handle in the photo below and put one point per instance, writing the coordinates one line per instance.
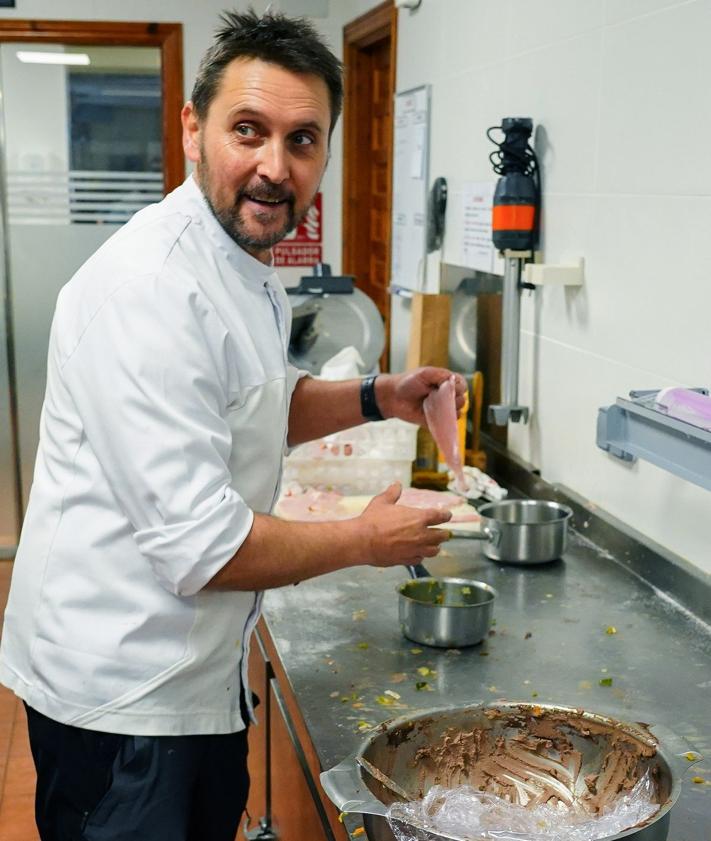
(418, 571)
(490, 533)
(345, 788)
(681, 753)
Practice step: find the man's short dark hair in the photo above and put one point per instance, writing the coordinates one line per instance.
(291, 43)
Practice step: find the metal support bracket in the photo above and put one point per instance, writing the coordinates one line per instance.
(632, 429)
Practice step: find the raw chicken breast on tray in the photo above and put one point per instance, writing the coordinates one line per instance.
(315, 506)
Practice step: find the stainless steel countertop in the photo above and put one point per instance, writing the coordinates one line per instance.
(550, 642)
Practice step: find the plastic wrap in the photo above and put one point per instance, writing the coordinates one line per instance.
(478, 485)
(471, 815)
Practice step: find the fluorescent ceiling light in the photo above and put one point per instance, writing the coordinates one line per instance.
(52, 58)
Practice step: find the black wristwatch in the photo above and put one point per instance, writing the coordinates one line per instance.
(368, 405)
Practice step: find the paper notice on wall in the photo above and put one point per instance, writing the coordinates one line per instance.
(477, 246)
(417, 161)
(410, 173)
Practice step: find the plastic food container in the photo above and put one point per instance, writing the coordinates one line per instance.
(361, 460)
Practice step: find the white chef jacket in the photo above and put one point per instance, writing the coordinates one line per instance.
(163, 429)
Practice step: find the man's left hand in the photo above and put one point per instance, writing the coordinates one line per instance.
(401, 395)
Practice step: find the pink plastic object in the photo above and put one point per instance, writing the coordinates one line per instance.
(685, 405)
(440, 408)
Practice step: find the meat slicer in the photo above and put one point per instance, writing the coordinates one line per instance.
(328, 314)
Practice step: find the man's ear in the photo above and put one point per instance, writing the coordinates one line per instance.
(192, 131)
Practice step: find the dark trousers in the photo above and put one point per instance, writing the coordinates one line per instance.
(94, 786)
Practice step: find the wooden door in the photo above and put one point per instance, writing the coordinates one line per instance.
(369, 54)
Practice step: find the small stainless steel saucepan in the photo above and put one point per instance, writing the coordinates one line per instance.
(522, 531)
(444, 612)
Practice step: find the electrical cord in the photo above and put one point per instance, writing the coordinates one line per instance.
(511, 155)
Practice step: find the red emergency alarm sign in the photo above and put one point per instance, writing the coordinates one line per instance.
(302, 247)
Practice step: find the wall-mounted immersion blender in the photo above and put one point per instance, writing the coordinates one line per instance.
(515, 225)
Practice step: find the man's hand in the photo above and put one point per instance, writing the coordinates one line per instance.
(396, 534)
(276, 553)
(401, 395)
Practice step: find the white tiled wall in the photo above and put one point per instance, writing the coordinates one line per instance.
(619, 90)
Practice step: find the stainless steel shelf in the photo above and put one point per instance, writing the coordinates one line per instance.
(631, 428)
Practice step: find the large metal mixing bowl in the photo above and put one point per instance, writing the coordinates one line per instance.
(402, 749)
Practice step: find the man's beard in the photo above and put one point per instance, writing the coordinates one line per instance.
(233, 224)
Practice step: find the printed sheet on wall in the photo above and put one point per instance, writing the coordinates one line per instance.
(410, 176)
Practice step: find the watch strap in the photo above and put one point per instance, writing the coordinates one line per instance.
(368, 405)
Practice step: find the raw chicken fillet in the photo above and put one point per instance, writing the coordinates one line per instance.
(440, 408)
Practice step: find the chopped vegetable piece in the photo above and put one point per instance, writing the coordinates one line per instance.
(359, 615)
(439, 599)
(384, 701)
(398, 677)
(341, 816)
(537, 711)
(534, 694)
(549, 595)
(527, 635)
(691, 756)
(415, 651)
(466, 591)
(359, 830)
(424, 671)
(358, 705)
(421, 685)
(698, 780)
(363, 645)
(611, 630)
(392, 694)
(605, 681)
(364, 725)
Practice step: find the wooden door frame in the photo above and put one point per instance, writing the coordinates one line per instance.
(168, 37)
(363, 32)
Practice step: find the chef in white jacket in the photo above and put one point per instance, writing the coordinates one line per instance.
(169, 405)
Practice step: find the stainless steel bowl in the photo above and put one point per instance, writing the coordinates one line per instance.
(445, 612)
(524, 531)
(403, 750)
